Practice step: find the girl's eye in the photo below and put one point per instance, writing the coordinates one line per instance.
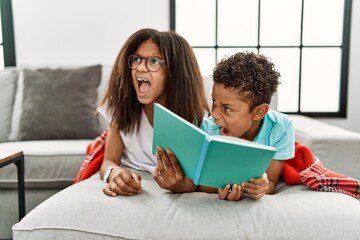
(136, 59)
(154, 61)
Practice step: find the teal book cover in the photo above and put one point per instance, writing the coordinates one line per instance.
(212, 161)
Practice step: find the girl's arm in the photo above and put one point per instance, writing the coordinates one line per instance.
(121, 181)
(114, 148)
(169, 175)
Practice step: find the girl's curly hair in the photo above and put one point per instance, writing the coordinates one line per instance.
(254, 76)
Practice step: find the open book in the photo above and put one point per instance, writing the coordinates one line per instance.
(212, 161)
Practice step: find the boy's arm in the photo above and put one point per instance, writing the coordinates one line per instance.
(273, 173)
(266, 184)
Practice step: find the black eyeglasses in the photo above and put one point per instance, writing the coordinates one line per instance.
(152, 63)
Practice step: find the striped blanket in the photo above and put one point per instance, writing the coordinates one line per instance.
(306, 169)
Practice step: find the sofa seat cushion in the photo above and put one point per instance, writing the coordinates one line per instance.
(295, 212)
(48, 164)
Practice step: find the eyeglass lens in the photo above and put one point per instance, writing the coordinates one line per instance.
(152, 63)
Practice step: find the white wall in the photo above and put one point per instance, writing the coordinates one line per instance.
(78, 32)
(81, 31)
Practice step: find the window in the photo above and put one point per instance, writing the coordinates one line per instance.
(308, 41)
(7, 47)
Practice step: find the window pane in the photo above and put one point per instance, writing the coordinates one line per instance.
(286, 62)
(197, 27)
(280, 22)
(1, 36)
(1, 49)
(320, 79)
(206, 60)
(238, 22)
(227, 52)
(325, 28)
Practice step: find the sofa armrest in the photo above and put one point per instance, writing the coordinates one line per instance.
(338, 149)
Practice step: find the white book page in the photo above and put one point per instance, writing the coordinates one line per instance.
(239, 141)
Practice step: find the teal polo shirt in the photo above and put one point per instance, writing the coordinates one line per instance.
(277, 130)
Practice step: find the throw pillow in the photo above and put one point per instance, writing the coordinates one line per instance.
(59, 104)
(8, 79)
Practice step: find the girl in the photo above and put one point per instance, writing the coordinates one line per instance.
(152, 66)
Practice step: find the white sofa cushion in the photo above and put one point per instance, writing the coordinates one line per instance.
(48, 164)
(8, 80)
(82, 211)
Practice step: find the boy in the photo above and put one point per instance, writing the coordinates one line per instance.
(243, 86)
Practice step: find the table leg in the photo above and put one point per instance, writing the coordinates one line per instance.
(21, 186)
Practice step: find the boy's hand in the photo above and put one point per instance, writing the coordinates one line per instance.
(257, 187)
(123, 182)
(235, 194)
(169, 175)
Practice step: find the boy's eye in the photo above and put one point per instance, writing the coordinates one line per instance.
(227, 109)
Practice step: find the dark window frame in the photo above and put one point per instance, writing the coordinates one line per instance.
(345, 47)
(7, 33)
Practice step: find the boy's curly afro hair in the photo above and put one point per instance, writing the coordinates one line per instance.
(253, 75)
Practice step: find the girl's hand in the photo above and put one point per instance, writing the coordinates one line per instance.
(257, 187)
(123, 182)
(169, 175)
(235, 194)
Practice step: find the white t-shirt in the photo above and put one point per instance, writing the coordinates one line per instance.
(137, 145)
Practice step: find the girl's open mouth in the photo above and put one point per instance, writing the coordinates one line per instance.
(144, 85)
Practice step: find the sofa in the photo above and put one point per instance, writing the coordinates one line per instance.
(56, 209)
(50, 165)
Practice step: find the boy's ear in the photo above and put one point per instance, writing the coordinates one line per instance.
(260, 111)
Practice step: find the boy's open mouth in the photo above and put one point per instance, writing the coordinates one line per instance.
(224, 131)
(144, 85)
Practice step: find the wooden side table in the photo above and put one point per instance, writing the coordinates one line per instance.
(16, 157)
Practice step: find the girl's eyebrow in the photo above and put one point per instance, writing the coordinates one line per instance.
(148, 56)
